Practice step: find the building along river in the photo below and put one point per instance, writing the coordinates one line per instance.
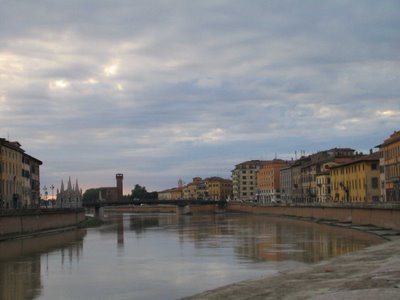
(165, 256)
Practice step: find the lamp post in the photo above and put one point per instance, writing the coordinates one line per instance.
(45, 194)
(52, 192)
(346, 190)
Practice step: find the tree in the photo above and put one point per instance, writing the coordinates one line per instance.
(90, 196)
(140, 192)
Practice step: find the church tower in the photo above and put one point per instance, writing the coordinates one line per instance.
(119, 177)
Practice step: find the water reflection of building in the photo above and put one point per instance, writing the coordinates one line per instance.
(120, 230)
(262, 238)
(21, 264)
(278, 240)
(20, 279)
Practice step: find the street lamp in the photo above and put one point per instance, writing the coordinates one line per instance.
(52, 192)
(45, 194)
(346, 190)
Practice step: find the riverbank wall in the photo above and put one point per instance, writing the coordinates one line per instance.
(25, 222)
(188, 209)
(388, 218)
(146, 209)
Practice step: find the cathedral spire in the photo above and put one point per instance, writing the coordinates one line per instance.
(69, 184)
(69, 197)
(77, 186)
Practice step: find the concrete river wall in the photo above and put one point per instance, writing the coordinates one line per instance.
(17, 223)
(381, 217)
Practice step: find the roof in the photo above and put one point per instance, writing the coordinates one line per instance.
(395, 137)
(370, 157)
(253, 162)
(107, 188)
(17, 147)
(177, 189)
(219, 179)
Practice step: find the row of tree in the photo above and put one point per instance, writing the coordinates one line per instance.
(138, 193)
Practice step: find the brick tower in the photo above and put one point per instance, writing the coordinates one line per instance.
(120, 188)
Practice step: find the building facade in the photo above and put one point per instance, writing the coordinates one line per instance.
(193, 189)
(314, 167)
(218, 188)
(19, 177)
(299, 180)
(356, 181)
(112, 194)
(390, 178)
(70, 197)
(268, 181)
(323, 187)
(286, 184)
(171, 194)
(244, 180)
(297, 190)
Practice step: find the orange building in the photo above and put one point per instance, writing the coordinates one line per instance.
(390, 157)
(268, 181)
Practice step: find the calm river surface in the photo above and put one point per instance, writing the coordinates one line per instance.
(164, 256)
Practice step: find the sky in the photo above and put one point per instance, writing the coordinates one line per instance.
(162, 90)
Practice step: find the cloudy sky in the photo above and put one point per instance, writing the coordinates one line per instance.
(161, 90)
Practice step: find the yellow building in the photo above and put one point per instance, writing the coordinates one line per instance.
(323, 179)
(218, 188)
(356, 181)
(19, 176)
(171, 194)
(390, 156)
(190, 191)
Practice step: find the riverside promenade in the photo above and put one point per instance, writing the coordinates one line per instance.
(369, 274)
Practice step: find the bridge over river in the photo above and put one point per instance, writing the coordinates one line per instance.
(181, 203)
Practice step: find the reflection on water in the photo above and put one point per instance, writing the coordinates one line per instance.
(20, 261)
(164, 256)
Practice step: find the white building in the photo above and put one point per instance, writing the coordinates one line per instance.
(71, 197)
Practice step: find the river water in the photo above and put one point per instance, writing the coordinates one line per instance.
(164, 256)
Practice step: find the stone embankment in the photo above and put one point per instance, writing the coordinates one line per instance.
(383, 216)
(21, 223)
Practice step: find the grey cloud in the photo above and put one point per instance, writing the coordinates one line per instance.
(194, 82)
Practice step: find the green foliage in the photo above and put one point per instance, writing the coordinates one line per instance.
(141, 193)
(90, 195)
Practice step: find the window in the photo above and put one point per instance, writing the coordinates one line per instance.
(373, 166)
(374, 182)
